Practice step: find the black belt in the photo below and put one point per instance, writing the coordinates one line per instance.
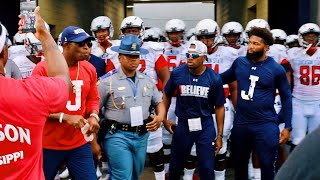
(113, 126)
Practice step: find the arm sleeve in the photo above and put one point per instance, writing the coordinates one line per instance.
(161, 63)
(170, 87)
(283, 86)
(286, 65)
(92, 102)
(229, 75)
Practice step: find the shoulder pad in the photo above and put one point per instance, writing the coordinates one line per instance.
(278, 47)
(95, 44)
(97, 52)
(153, 45)
(230, 51)
(295, 51)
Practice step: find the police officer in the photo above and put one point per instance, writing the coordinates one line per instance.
(127, 96)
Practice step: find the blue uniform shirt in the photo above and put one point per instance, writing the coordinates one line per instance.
(196, 94)
(257, 84)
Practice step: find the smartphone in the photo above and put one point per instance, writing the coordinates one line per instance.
(28, 18)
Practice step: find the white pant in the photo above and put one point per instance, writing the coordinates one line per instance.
(305, 118)
(155, 141)
(167, 137)
(228, 124)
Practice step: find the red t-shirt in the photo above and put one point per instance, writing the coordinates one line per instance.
(24, 108)
(62, 136)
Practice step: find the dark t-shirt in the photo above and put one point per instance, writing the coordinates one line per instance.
(197, 95)
(257, 85)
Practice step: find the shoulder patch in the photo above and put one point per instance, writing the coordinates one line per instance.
(114, 71)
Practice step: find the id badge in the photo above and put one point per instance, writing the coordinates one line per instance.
(136, 116)
(194, 124)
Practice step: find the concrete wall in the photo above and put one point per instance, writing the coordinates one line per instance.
(230, 10)
(80, 13)
(241, 11)
(64, 13)
(115, 10)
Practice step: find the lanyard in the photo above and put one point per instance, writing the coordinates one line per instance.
(134, 87)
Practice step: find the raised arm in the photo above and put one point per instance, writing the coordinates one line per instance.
(57, 65)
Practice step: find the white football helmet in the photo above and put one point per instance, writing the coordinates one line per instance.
(158, 30)
(208, 27)
(245, 38)
(232, 28)
(175, 25)
(261, 23)
(292, 38)
(279, 34)
(190, 33)
(130, 22)
(151, 35)
(161, 34)
(18, 39)
(102, 22)
(305, 29)
(33, 45)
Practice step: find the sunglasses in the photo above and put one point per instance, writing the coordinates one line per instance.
(192, 55)
(82, 43)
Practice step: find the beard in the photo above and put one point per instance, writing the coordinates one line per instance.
(254, 56)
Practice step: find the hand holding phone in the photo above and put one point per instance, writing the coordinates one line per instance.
(27, 15)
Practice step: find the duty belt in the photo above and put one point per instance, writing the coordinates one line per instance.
(113, 126)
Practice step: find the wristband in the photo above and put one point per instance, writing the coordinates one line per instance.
(95, 116)
(61, 117)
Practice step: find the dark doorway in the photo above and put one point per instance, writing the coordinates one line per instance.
(9, 16)
(287, 15)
